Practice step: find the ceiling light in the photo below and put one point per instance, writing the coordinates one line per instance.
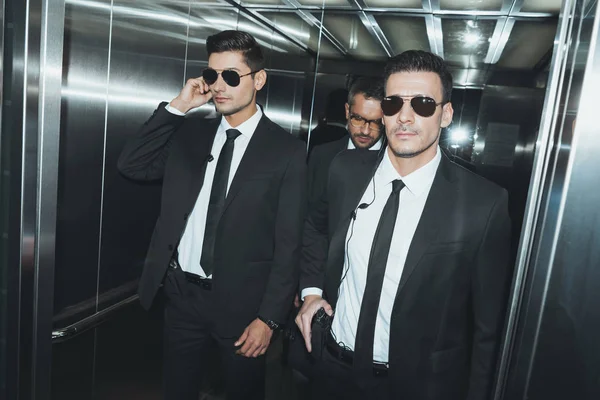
(471, 38)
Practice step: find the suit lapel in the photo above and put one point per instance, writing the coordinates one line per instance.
(360, 176)
(350, 193)
(200, 150)
(428, 226)
(252, 161)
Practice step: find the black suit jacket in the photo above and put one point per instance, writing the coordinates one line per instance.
(448, 312)
(257, 247)
(318, 166)
(326, 133)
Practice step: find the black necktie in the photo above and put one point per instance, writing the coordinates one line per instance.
(365, 332)
(217, 201)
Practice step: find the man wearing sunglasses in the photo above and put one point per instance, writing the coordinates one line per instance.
(227, 241)
(412, 253)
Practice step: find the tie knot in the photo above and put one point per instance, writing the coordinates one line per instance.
(397, 185)
(232, 134)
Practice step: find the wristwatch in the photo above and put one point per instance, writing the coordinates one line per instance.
(270, 323)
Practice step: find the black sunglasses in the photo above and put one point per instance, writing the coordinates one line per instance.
(423, 106)
(231, 77)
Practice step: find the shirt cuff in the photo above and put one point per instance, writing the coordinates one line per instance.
(173, 110)
(311, 291)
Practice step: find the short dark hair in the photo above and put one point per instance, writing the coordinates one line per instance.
(240, 41)
(421, 61)
(371, 88)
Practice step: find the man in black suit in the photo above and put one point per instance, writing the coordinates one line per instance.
(364, 128)
(227, 241)
(412, 253)
(364, 131)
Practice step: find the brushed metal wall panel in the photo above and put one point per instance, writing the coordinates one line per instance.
(147, 61)
(84, 91)
(284, 100)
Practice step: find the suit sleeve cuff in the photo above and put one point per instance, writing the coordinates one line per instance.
(311, 291)
(173, 110)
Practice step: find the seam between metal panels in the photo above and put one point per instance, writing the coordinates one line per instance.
(106, 102)
(187, 42)
(312, 102)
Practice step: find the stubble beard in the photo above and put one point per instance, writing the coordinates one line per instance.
(411, 154)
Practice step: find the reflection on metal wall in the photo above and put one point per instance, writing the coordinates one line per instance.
(85, 75)
(146, 66)
(4, 173)
(32, 65)
(557, 353)
(507, 128)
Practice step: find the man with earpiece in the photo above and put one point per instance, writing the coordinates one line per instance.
(365, 131)
(224, 252)
(406, 257)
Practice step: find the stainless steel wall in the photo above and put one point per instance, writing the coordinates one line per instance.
(3, 228)
(554, 351)
(32, 65)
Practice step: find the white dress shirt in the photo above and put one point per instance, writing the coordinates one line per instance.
(190, 246)
(360, 235)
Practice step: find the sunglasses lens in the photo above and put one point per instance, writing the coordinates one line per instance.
(210, 76)
(231, 78)
(424, 106)
(391, 105)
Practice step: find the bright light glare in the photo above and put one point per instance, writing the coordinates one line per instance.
(459, 134)
(471, 38)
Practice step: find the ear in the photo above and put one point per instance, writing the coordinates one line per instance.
(347, 111)
(260, 79)
(447, 113)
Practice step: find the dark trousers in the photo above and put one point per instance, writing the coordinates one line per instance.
(334, 379)
(188, 339)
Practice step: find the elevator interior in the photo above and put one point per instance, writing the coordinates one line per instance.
(80, 76)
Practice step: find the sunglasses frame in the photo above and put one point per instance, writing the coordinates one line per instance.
(410, 100)
(225, 80)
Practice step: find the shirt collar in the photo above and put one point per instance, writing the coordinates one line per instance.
(376, 146)
(417, 182)
(247, 127)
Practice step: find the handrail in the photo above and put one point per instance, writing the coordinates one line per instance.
(96, 319)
